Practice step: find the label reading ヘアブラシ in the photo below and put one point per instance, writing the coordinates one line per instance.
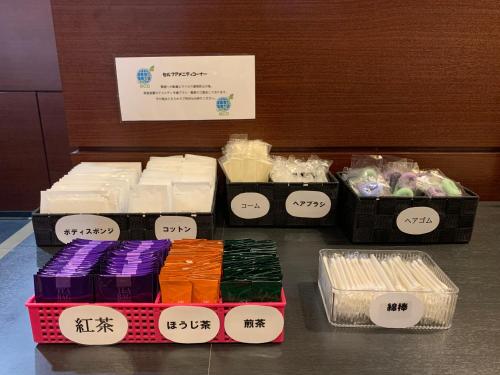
(417, 220)
(89, 227)
(308, 204)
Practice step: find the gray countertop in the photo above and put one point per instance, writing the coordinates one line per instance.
(312, 345)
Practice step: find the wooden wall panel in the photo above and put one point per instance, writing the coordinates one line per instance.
(23, 165)
(329, 73)
(57, 151)
(28, 57)
(332, 77)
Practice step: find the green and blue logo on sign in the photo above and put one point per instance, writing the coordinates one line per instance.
(144, 76)
(223, 104)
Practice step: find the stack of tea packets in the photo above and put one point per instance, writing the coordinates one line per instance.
(192, 272)
(251, 271)
(129, 272)
(69, 275)
(102, 271)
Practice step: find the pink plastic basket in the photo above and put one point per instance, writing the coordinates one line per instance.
(142, 319)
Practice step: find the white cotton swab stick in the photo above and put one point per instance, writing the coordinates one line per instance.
(432, 275)
(429, 277)
(401, 277)
(331, 275)
(358, 278)
(381, 272)
(367, 282)
(347, 272)
(391, 275)
(378, 283)
(343, 278)
(402, 267)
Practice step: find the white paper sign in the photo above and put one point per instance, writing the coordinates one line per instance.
(93, 325)
(254, 324)
(175, 228)
(308, 203)
(89, 227)
(417, 220)
(396, 310)
(250, 205)
(186, 87)
(189, 324)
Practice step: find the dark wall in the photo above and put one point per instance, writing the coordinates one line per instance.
(33, 138)
(332, 78)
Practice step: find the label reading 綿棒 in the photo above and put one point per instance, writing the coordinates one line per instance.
(396, 310)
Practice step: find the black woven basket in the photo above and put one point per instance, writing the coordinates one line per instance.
(277, 194)
(373, 220)
(133, 226)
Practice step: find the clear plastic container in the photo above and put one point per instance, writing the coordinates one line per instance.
(395, 302)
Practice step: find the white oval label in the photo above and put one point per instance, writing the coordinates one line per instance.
(93, 325)
(254, 324)
(175, 227)
(88, 227)
(250, 205)
(417, 220)
(189, 324)
(308, 203)
(396, 310)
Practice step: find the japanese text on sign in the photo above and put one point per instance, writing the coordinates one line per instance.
(396, 310)
(89, 227)
(75, 231)
(250, 205)
(254, 323)
(308, 204)
(93, 325)
(100, 324)
(397, 306)
(175, 227)
(186, 87)
(417, 220)
(182, 324)
(189, 324)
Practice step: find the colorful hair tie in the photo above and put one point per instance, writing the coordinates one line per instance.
(369, 189)
(404, 192)
(450, 188)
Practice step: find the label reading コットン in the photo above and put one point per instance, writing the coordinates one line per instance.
(175, 228)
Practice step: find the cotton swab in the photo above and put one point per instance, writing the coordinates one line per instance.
(359, 277)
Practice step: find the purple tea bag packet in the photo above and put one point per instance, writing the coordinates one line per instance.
(68, 276)
(129, 273)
